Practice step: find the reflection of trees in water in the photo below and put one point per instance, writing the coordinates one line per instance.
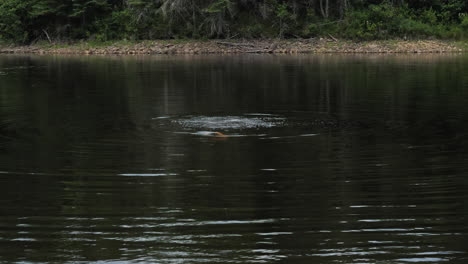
(80, 101)
(96, 106)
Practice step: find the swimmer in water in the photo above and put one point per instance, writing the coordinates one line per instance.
(209, 134)
(219, 134)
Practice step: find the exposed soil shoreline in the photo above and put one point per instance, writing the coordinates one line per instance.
(243, 46)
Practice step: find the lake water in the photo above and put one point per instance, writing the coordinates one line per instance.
(234, 159)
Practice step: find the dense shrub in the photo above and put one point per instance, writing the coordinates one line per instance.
(27, 21)
(12, 20)
(386, 20)
(116, 26)
(464, 23)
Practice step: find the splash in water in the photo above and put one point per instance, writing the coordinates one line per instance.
(230, 122)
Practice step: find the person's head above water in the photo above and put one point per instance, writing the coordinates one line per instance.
(219, 134)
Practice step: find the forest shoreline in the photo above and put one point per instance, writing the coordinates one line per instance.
(275, 46)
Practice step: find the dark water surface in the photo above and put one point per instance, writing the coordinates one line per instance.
(325, 159)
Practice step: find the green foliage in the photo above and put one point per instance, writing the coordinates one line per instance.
(216, 17)
(218, 6)
(45, 8)
(450, 10)
(116, 26)
(12, 20)
(27, 21)
(282, 11)
(464, 26)
(429, 16)
(415, 28)
(377, 22)
(464, 22)
(386, 20)
(284, 17)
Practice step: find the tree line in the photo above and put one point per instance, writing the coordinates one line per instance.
(29, 21)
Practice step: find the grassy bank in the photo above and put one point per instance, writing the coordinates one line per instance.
(315, 45)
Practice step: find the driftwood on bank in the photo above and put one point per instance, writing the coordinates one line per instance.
(235, 44)
(332, 37)
(47, 35)
(249, 47)
(257, 51)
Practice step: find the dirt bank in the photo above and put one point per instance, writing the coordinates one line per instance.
(317, 45)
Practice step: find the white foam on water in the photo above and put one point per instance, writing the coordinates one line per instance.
(229, 122)
(147, 174)
(422, 259)
(308, 135)
(258, 114)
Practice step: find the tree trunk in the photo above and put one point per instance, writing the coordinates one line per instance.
(343, 7)
(194, 20)
(324, 10)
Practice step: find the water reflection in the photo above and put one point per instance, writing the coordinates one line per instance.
(358, 159)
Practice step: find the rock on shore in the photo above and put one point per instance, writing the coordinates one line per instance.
(315, 45)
